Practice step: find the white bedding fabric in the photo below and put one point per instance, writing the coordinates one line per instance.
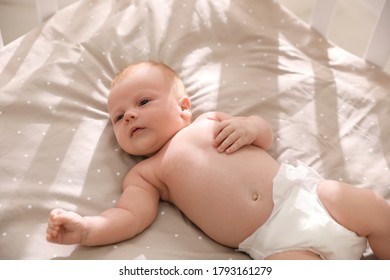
(327, 107)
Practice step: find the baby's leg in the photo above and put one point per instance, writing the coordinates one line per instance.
(360, 210)
(294, 255)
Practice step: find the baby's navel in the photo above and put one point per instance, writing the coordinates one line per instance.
(255, 197)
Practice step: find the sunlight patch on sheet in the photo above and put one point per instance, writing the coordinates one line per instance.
(203, 78)
(73, 171)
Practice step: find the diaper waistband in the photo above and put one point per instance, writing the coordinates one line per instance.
(293, 173)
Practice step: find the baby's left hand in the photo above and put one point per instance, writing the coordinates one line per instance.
(232, 134)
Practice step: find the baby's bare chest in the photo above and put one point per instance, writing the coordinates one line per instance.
(191, 167)
(227, 195)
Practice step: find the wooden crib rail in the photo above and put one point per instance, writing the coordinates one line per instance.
(1, 40)
(378, 49)
(377, 52)
(45, 9)
(322, 14)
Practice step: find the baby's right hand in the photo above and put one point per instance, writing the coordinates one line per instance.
(66, 227)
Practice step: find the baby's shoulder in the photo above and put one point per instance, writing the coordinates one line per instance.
(141, 169)
(207, 115)
(214, 116)
(144, 174)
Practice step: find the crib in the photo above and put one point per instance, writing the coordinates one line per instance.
(327, 107)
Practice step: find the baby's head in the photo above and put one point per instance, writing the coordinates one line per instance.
(148, 105)
(170, 75)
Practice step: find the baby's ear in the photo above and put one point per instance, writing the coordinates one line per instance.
(185, 106)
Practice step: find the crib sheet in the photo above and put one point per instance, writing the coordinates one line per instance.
(327, 107)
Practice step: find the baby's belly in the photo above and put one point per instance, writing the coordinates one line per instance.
(227, 196)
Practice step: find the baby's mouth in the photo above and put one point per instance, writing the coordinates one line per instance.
(135, 130)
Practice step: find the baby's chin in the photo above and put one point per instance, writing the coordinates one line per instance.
(143, 153)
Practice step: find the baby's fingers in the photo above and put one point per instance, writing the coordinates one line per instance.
(221, 133)
(230, 144)
(51, 232)
(56, 212)
(235, 146)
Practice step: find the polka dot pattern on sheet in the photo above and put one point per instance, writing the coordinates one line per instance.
(325, 107)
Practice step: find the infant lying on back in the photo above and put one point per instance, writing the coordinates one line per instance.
(217, 172)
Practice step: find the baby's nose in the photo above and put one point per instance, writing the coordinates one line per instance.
(130, 115)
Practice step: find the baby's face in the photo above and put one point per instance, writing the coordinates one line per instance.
(144, 112)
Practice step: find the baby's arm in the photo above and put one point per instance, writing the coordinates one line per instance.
(136, 210)
(231, 133)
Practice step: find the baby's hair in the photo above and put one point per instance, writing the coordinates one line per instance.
(168, 72)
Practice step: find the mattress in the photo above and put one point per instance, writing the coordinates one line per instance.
(327, 107)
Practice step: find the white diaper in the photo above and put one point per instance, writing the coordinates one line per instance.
(300, 222)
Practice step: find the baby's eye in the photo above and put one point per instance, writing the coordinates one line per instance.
(143, 102)
(119, 117)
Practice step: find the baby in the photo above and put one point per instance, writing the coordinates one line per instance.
(235, 192)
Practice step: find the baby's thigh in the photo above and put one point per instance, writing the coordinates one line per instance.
(294, 255)
(348, 205)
